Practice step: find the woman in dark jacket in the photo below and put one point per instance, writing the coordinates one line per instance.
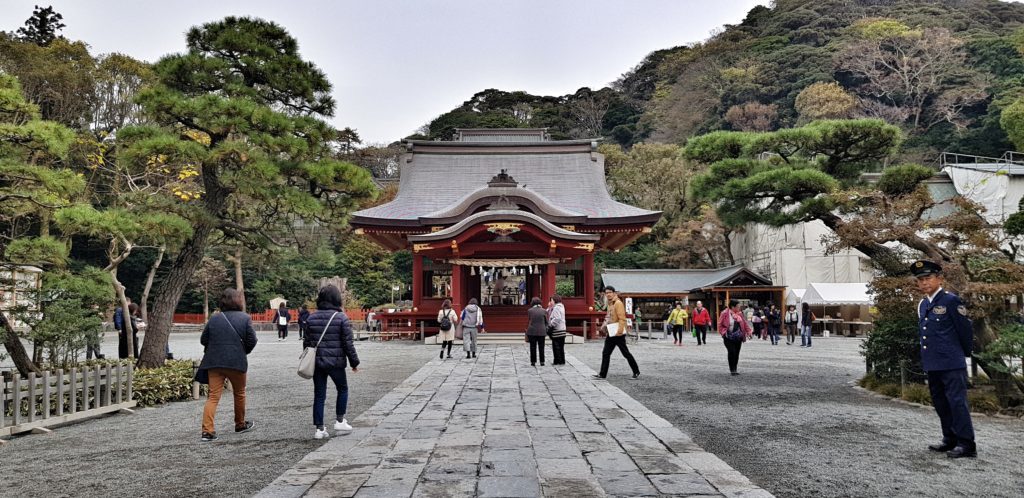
(334, 352)
(227, 338)
(536, 330)
(282, 315)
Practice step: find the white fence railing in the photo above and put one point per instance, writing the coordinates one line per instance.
(52, 398)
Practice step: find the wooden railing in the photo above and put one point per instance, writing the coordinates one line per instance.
(261, 317)
(40, 401)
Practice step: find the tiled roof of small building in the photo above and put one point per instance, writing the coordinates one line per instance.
(674, 282)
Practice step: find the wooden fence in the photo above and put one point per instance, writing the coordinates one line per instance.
(53, 398)
(262, 317)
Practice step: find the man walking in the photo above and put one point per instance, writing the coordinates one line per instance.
(616, 326)
(947, 337)
(701, 321)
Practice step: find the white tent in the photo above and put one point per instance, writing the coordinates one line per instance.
(837, 294)
(795, 296)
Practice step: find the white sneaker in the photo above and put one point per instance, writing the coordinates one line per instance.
(342, 426)
(321, 433)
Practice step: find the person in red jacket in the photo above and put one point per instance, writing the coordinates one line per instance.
(701, 321)
(735, 330)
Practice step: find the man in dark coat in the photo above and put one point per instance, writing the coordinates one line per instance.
(947, 336)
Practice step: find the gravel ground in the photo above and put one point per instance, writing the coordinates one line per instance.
(157, 452)
(793, 423)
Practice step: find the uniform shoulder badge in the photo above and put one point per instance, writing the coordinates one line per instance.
(939, 310)
(962, 310)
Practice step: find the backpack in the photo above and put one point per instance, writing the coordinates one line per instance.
(469, 318)
(446, 323)
(118, 318)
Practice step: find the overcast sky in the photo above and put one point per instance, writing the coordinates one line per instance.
(395, 65)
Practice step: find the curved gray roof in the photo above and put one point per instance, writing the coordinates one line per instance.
(436, 182)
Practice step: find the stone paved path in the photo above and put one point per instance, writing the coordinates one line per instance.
(499, 427)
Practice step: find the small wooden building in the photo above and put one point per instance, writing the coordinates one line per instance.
(656, 290)
(502, 216)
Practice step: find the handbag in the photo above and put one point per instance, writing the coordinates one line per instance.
(612, 328)
(458, 331)
(307, 360)
(282, 321)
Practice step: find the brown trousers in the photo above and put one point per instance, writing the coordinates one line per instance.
(237, 379)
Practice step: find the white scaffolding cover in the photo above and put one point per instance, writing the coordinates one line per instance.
(824, 293)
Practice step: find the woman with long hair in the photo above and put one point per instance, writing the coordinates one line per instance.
(447, 320)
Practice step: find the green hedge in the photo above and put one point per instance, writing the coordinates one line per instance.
(171, 382)
(981, 398)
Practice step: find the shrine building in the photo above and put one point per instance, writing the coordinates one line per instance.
(503, 215)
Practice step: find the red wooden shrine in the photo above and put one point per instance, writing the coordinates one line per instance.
(503, 215)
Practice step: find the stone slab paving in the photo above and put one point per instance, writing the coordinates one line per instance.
(497, 427)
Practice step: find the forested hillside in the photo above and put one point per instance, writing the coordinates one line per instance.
(942, 70)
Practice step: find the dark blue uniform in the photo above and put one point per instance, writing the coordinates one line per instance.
(947, 339)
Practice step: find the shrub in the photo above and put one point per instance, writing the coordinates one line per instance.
(983, 401)
(890, 390)
(917, 393)
(171, 382)
(893, 343)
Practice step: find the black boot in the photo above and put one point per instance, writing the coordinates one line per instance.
(467, 355)
(441, 356)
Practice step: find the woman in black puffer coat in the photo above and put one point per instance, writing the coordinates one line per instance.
(334, 353)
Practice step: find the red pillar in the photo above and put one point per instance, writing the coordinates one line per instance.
(549, 283)
(458, 287)
(588, 279)
(417, 280)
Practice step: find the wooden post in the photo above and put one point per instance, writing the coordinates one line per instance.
(117, 398)
(110, 385)
(423, 331)
(97, 386)
(458, 290)
(16, 398)
(74, 390)
(417, 280)
(131, 378)
(31, 396)
(60, 392)
(46, 394)
(549, 283)
(588, 280)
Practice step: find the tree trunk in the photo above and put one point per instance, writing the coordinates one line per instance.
(126, 317)
(167, 295)
(144, 305)
(16, 349)
(239, 281)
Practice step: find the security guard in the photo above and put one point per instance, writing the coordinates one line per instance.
(946, 340)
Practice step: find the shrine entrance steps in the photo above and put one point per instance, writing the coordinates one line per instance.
(505, 338)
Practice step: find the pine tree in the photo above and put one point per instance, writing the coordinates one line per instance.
(248, 112)
(42, 27)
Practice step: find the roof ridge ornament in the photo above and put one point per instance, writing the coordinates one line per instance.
(503, 179)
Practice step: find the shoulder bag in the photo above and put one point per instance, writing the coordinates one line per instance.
(307, 360)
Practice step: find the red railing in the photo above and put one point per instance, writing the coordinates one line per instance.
(263, 317)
